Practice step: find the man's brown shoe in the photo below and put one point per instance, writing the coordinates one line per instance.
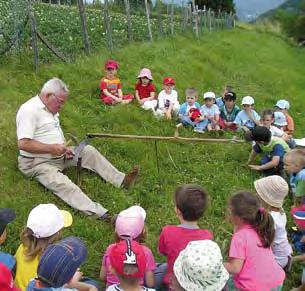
(130, 178)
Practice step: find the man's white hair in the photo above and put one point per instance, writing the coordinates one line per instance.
(54, 86)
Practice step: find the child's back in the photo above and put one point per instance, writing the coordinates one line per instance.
(41, 231)
(191, 201)
(174, 239)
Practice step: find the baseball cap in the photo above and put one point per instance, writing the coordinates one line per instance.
(282, 104)
(168, 81)
(130, 222)
(230, 96)
(247, 100)
(200, 267)
(145, 73)
(279, 119)
(60, 261)
(6, 279)
(46, 219)
(111, 64)
(209, 95)
(128, 253)
(7, 215)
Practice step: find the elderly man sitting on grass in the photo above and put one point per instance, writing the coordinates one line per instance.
(44, 154)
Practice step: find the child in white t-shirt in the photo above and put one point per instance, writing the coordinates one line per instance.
(272, 190)
(168, 103)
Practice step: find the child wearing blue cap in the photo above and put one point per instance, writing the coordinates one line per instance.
(7, 215)
(54, 274)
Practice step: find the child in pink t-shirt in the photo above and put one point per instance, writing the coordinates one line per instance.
(190, 204)
(145, 90)
(129, 224)
(251, 261)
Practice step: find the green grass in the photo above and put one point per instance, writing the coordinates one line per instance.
(255, 63)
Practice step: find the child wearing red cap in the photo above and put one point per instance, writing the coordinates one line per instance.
(130, 223)
(168, 103)
(128, 262)
(145, 90)
(111, 87)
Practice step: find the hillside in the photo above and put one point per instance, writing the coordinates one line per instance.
(255, 63)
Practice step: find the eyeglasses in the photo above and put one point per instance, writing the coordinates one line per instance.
(58, 99)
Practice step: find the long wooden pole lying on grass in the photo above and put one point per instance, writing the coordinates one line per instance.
(174, 138)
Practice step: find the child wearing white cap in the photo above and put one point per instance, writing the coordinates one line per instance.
(145, 90)
(43, 227)
(272, 190)
(283, 106)
(247, 118)
(210, 112)
(199, 267)
(129, 224)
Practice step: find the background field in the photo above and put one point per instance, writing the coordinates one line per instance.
(255, 63)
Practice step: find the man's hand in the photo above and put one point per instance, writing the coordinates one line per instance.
(69, 154)
(57, 149)
(255, 167)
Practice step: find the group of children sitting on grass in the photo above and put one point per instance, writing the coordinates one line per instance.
(271, 132)
(258, 257)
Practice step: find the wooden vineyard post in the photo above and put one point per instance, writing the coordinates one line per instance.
(108, 26)
(172, 18)
(148, 21)
(129, 28)
(82, 15)
(34, 34)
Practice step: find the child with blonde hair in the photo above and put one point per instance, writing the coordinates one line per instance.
(129, 224)
(294, 165)
(145, 90)
(43, 227)
(251, 261)
(272, 190)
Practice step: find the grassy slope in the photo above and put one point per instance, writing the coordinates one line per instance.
(257, 64)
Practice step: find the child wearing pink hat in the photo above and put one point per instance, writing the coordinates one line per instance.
(145, 90)
(272, 190)
(129, 224)
(111, 87)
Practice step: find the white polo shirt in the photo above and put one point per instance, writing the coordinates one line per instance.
(34, 121)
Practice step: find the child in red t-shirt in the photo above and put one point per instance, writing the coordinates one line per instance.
(111, 87)
(145, 90)
(190, 204)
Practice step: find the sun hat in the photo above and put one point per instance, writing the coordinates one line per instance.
(60, 261)
(128, 252)
(6, 279)
(272, 189)
(247, 100)
(111, 64)
(200, 267)
(282, 104)
(130, 222)
(209, 95)
(145, 73)
(7, 215)
(46, 219)
(168, 81)
(279, 119)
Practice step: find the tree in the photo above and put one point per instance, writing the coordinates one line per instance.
(222, 5)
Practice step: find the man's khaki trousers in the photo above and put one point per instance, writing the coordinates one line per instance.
(49, 173)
